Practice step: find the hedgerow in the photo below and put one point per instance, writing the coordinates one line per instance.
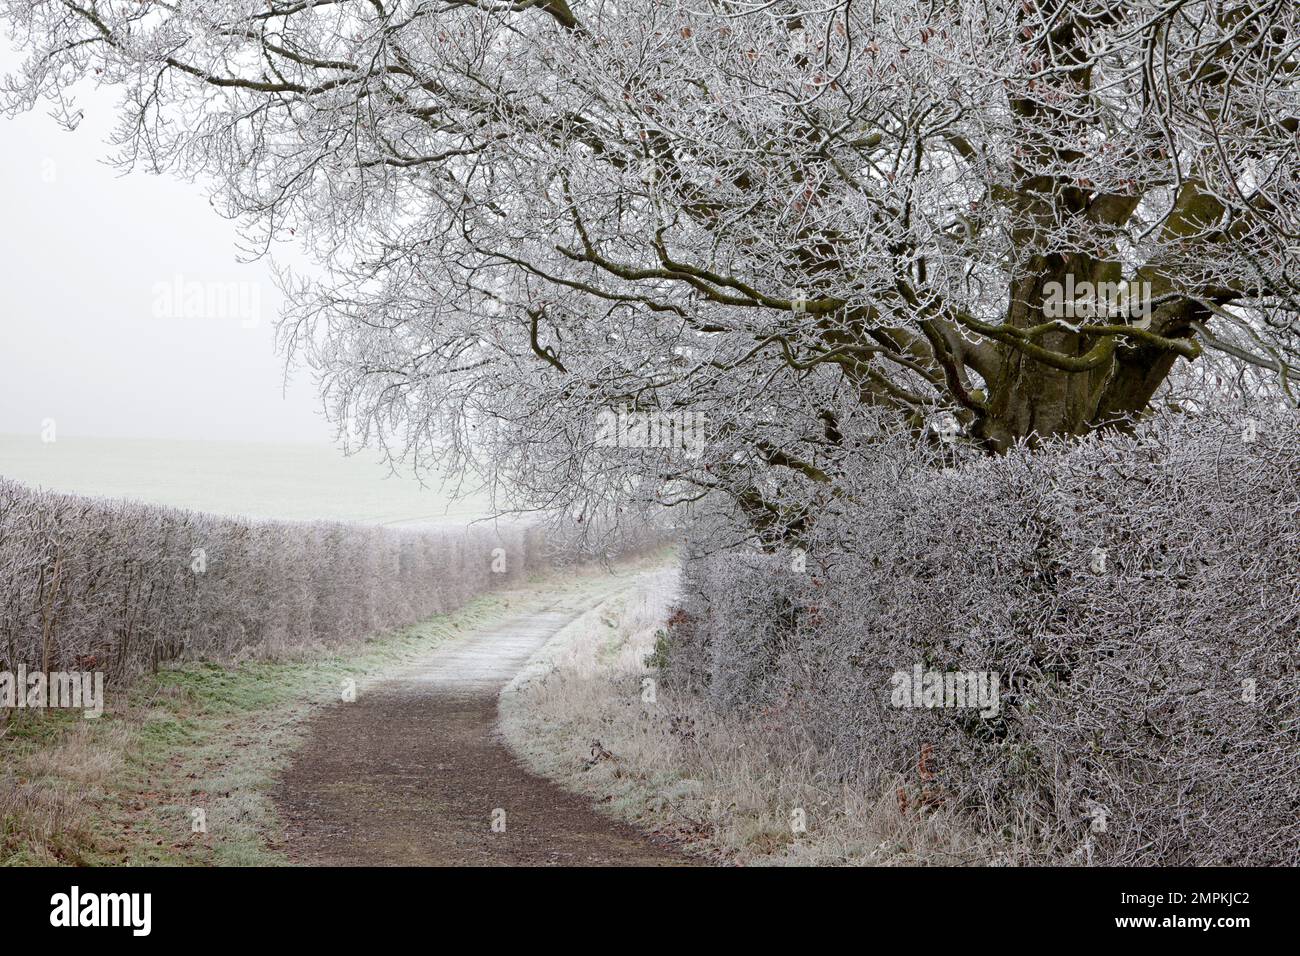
(1138, 597)
(124, 587)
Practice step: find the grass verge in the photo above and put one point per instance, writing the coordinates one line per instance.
(589, 713)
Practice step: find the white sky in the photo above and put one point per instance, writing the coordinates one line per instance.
(84, 254)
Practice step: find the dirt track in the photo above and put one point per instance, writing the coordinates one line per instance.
(411, 773)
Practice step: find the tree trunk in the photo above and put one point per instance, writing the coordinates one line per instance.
(1032, 400)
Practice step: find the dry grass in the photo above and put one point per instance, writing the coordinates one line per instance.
(42, 826)
(83, 756)
(729, 789)
(52, 767)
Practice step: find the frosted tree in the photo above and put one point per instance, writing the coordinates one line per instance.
(793, 220)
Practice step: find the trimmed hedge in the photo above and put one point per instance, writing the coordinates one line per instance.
(121, 586)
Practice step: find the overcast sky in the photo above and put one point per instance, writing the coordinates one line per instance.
(114, 322)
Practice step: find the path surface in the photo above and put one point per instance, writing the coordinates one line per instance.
(411, 773)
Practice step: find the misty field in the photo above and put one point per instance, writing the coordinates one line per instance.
(292, 482)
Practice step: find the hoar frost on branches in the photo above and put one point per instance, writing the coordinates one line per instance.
(792, 219)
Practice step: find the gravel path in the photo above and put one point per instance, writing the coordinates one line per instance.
(413, 773)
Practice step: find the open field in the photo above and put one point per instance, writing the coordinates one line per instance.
(291, 482)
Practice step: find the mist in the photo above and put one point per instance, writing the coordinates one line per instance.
(96, 337)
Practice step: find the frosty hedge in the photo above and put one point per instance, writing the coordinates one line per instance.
(1139, 598)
